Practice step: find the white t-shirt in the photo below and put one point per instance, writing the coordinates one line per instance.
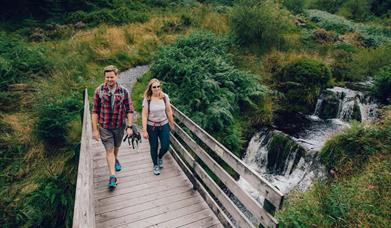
(157, 109)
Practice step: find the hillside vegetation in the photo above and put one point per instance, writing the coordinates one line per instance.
(232, 66)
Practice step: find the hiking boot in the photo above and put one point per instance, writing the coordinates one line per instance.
(160, 162)
(156, 170)
(112, 182)
(118, 166)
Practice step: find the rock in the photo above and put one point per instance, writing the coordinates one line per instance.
(330, 105)
(80, 25)
(37, 34)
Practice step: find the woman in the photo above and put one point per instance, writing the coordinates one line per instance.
(157, 121)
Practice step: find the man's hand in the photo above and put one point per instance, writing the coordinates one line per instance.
(95, 135)
(129, 131)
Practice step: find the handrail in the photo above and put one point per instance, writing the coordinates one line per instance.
(261, 216)
(271, 193)
(84, 210)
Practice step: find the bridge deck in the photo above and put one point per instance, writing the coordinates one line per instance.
(143, 199)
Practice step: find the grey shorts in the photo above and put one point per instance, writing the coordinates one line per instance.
(111, 137)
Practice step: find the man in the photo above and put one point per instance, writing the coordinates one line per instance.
(111, 104)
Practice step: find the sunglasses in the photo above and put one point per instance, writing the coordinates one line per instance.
(154, 87)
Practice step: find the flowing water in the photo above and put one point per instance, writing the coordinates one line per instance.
(292, 161)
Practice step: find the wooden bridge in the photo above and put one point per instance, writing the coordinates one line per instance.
(183, 195)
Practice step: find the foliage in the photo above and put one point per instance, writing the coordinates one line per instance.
(296, 6)
(9, 101)
(199, 67)
(371, 35)
(367, 62)
(51, 204)
(18, 61)
(349, 151)
(330, 21)
(358, 10)
(359, 195)
(259, 23)
(119, 15)
(330, 6)
(53, 117)
(301, 82)
(382, 84)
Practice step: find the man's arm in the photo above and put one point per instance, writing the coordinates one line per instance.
(94, 117)
(129, 112)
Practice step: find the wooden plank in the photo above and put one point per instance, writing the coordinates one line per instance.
(134, 188)
(169, 215)
(143, 206)
(129, 173)
(205, 195)
(271, 193)
(140, 178)
(147, 217)
(140, 181)
(135, 159)
(123, 201)
(250, 203)
(103, 172)
(205, 222)
(84, 209)
(194, 218)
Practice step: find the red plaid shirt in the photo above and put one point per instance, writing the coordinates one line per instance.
(111, 118)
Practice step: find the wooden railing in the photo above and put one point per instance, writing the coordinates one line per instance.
(84, 210)
(196, 174)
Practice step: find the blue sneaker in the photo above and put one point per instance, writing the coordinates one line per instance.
(160, 162)
(118, 166)
(156, 170)
(112, 182)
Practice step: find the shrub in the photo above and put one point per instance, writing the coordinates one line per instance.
(348, 152)
(340, 67)
(301, 82)
(330, 6)
(370, 35)
(358, 10)
(330, 21)
(260, 23)
(382, 84)
(51, 204)
(18, 61)
(53, 118)
(367, 62)
(199, 67)
(9, 101)
(296, 6)
(117, 16)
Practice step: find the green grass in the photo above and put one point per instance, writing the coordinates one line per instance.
(359, 195)
(67, 60)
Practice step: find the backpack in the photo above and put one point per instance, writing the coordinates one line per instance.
(101, 92)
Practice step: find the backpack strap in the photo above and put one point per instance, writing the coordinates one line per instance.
(149, 102)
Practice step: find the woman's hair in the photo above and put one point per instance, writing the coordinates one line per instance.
(148, 91)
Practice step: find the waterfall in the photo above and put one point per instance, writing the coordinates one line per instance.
(354, 105)
(317, 107)
(292, 161)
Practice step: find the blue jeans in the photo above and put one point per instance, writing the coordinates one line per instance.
(163, 133)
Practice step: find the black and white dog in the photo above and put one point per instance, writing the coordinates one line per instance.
(134, 138)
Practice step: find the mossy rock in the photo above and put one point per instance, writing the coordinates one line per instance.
(356, 115)
(280, 148)
(330, 105)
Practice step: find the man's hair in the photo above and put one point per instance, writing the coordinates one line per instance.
(109, 69)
